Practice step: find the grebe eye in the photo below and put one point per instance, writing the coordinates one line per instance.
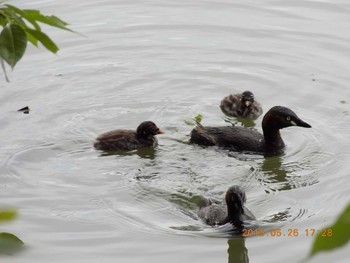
(288, 118)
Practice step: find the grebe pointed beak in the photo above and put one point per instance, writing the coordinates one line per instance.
(302, 123)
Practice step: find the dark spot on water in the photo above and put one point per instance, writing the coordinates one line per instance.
(25, 110)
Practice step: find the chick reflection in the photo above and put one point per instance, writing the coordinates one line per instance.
(272, 166)
(237, 252)
(145, 153)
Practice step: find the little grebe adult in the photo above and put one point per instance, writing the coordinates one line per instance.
(241, 139)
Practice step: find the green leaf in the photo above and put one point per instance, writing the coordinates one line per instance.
(43, 39)
(3, 20)
(13, 17)
(9, 243)
(23, 14)
(189, 122)
(49, 20)
(199, 117)
(13, 43)
(7, 215)
(31, 39)
(11, 12)
(338, 236)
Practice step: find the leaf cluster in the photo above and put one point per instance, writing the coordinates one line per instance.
(20, 26)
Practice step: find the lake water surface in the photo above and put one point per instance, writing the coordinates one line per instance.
(168, 61)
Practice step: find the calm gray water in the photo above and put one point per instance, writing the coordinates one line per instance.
(167, 61)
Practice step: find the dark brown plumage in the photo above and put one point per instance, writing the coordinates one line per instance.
(242, 139)
(241, 105)
(127, 140)
(234, 212)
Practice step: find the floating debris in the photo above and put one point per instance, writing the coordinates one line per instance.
(25, 110)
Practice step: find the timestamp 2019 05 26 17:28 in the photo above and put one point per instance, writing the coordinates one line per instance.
(291, 232)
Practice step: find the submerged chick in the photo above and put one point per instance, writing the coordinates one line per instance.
(235, 212)
(127, 140)
(242, 139)
(241, 105)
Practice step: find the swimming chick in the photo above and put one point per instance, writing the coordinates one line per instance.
(235, 212)
(126, 140)
(241, 105)
(241, 139)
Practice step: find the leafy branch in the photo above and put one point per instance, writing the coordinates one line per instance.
(20, 26)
